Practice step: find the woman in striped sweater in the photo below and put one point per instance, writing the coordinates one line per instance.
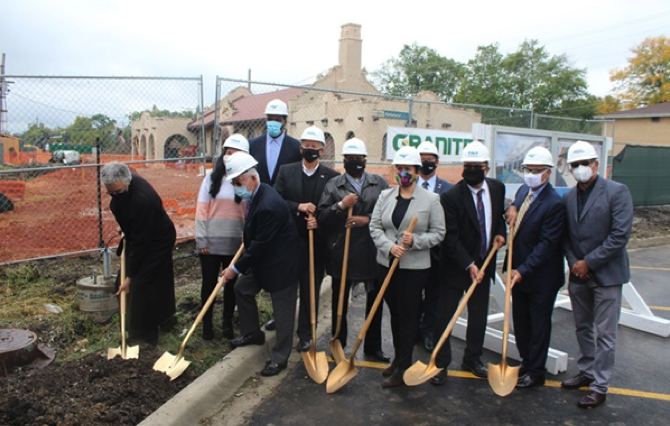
(219, 223)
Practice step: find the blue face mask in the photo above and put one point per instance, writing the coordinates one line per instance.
(242, 192)
(274, 128)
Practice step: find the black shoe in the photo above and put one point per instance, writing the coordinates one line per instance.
(249, 339)
(592, 400)
(377, 356)
(522, 370)
(270, 325)
(428, 344)
(440, 378)
(303, 345)
(476, 368)
(526, 381)
(272, 369)
(207, 331)
(228, 333)
(576, 382)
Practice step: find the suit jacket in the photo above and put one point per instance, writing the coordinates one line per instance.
(461, 245)
(289, 153)
(441, 186)
(537, 245)
(429, 230)
(600, 234)
(268, 231)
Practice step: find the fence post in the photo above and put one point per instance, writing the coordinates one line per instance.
(101, 242)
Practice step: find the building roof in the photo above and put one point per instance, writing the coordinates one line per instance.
(657, 110)
(250, 108)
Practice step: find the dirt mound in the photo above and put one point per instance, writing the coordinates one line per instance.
(90, 391)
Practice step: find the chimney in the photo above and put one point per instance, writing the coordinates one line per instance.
(351, 47)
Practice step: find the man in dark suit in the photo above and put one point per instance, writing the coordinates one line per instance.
(266, 263)
(600, 219)
(474, 216)
(428, 179)
(301, 185)
(274, 148)
(538, 215)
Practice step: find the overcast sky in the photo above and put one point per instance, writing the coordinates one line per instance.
(294, 43)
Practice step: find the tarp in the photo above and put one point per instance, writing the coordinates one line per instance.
(646, 172)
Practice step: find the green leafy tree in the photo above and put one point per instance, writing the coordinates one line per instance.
(87, 130)
(37, 134)
(483, 82)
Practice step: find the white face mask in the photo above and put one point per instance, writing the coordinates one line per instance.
(533, 181)
(582, 173)
(226, 158)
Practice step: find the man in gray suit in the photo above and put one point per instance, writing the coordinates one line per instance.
(600, 218)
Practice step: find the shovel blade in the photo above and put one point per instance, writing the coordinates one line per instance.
(132, 352)
(113, 352)
(340, 376)
(503, 378)
(336, 350)
(316, 365)
(171, 365)
(420, 373)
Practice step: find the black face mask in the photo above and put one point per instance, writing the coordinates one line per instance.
(355, 168)
(428, 167)
(310, 155)
(121, 196)
(473, 177)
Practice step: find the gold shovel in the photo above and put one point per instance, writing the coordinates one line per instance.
(503, 378)
(346, 370)
(315, 362)
(334, 344)
(173, 365)
(126, 352)
(420, 373)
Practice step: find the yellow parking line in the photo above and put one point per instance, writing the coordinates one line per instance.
(650, 268)
(660, 308)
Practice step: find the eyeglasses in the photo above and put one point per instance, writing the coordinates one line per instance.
(474, 167)
(120, 191)
(534, 171)
(576, 164)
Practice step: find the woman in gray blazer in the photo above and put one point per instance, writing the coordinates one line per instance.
(392, 214)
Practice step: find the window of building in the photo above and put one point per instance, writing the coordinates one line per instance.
(655, 119)
(350, 134)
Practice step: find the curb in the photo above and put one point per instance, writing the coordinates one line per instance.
(205, 395)
(639, 243)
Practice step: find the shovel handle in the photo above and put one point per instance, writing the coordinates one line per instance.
(380, 296)
(343, 279)
(312, 286)
(122, 298)
(209, 302)
(508, 295)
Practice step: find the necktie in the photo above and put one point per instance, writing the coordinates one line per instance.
(425, 185)
(247, 209)
(482, 224)
(522, 212)
(273, 157)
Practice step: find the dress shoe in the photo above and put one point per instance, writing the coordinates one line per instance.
(272, 369)
(428, 344)
(249, 339)
(303, 345)
(578, 381)
(207, 331)
(592, 400)
(476, 368)
(377, 356)
(526, 381)
(440, 378)
(387, 372)
(395, 379)
(270, 325)
(522, 370)
(228, 333)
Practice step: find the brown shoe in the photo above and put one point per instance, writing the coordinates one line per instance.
(395, 379)
(580, 380)
(387, 372)
(592, 400)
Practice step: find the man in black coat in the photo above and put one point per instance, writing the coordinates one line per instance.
(474, 215)
(301, 185)
(266, 264)
(149, 239)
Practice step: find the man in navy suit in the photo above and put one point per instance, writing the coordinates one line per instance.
(266, 263)
(428, 180)
(274, 148)
(539, 219)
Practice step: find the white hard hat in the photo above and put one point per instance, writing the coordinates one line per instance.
(354, 146)
(407, 156)
(239, 163)
(581, 150)
(276, 107)
(475, 152)
(237, 141)
(313, 134)
(538, 156)
(427, 148)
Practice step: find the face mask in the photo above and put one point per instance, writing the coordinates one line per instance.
(226, 158)
(473, 177)
(242, 192)
(427, 167)
(582, 173)
(274, 128)
(533, 181)
(355, 168)
(121, 196)
(310, 155)
(404, 178)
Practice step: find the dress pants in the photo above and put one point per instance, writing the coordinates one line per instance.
(403, 297)
(428, 312)
(211, 265)
(373, 338)
(304, 311)
(596, 310)
(283, 311)
(478, 307)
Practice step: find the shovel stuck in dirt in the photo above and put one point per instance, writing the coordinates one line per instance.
(173, 365)
(126, 352)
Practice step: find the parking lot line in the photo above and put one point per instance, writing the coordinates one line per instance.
(660, 308)
(650, 268)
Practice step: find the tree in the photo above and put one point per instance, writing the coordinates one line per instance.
(482, 81)
(87, 130)
(646, 79)
(37, 134)
(155, 112)
(419, 68)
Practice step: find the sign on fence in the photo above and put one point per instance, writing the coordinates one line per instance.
(448, 143)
